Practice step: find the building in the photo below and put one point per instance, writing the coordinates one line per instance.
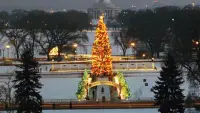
(157, 4)
(103, 6)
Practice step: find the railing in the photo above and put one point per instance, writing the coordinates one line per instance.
(142, 99)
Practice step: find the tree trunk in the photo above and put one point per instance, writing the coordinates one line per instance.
(152, 52)
(124, 52)
(48, 56)
(157, 54)
(59, 53)
(17, 53)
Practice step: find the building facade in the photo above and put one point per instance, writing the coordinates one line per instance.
(103, 6)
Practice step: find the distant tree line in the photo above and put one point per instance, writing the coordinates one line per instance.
(161, 28)
(43, 29)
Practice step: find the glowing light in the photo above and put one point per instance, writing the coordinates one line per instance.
(193, 4)
(116, 80)
(51, 11)
(143, 55)
(133, 44)
(54, 51)
(8, 46)
(101, 17)
(75, 45)
(197, 42)
(89, 80)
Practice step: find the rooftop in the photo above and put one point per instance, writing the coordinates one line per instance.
(103, 4)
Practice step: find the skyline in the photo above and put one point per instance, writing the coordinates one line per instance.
(76, 4)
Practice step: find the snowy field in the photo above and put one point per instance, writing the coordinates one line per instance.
(65, 88)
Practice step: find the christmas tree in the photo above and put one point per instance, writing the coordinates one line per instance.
(101, 51)
(168, 94)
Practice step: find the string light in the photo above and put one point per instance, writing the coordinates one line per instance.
(101, 51)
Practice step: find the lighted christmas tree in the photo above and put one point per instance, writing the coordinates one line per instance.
(101, 51)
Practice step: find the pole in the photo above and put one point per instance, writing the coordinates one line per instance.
(52, 64)
(8, 53)
(75, 56)
(3, 53)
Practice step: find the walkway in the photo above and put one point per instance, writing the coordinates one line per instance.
(95, 105)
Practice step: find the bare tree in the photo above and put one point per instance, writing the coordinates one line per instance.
(6, 96)
(6, 90)
(122, 39)
(46, 42)
(16, 37)
(68, 38)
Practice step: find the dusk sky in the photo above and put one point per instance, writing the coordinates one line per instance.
(82, 4)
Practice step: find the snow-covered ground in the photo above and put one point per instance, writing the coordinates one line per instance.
(65, 88)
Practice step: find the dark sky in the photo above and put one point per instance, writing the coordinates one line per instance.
(82, 4)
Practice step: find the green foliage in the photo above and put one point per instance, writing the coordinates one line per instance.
(167, 92)
(81, 92)
(124, 85)
(27, 85)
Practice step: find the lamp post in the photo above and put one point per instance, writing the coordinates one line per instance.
(197, 42)
(52, 65)
(8, 47)
(3, 53)
(133, 48)
(143, 55)
(75, 46)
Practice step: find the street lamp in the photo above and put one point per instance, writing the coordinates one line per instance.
(8, 47)
(197, 42)
(143, 55)
(133, 48)
(3, 53)
(52, 65)
(75, 46)
(133, 44)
